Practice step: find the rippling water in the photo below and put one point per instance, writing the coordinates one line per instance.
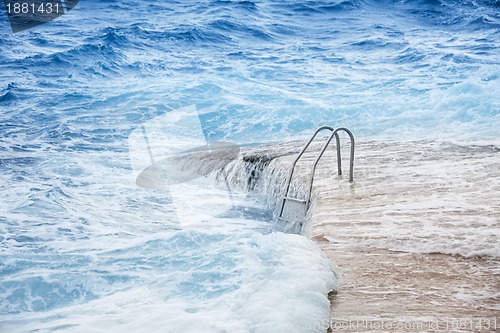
(81, 244)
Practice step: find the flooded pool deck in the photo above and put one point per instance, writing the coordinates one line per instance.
(415, 237)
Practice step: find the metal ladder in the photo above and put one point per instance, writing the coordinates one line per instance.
(307, 201)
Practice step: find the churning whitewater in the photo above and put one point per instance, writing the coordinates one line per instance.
(83, 248)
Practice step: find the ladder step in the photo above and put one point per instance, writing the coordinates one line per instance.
(295, 199)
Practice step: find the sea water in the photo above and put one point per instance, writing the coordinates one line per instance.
(84, 249)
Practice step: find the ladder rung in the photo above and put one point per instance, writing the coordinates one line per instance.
(295, 199)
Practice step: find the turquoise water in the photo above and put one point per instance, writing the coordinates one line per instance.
(83, 248)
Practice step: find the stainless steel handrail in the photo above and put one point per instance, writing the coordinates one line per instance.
(313, 170)
(351, 160)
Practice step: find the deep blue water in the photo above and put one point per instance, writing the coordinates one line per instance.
(74, 228)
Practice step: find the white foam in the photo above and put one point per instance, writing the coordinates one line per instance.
(277, 281)
(101, 254)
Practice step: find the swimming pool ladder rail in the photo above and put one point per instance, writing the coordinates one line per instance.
(307, 201)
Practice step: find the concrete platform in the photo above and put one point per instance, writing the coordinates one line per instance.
(415, 238)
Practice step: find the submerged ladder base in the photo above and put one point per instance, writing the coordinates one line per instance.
(295, 200)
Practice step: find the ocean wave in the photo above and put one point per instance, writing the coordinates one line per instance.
(8, 93)
(116, 37)
(18, 162)
(257, 71)
(378, 43)
(7, 97)
(79, 59)
(465, 14)
(45, 293)
(232, 27)
(410, 55)
(324, 6)
(245, 5)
